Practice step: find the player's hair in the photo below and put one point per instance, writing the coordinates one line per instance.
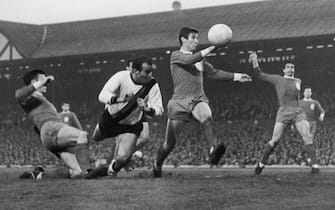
(307, 87)
(289, 63)
(185, 32)
(129, 61)
(32, 75)
(137, 62)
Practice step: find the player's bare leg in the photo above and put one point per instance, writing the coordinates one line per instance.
(270, 146)
(312, 129)
(69, 141)
(303, 129)
(126, 148)
(203, 114)
(143, 138)
(71, 161)
(69, 136)
(172, 131)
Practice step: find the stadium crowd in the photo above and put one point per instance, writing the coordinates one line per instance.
(243, 120)
(243, 116)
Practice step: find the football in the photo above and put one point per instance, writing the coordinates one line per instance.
(220, 34)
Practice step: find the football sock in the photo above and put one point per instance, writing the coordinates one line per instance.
(162, 154)
(209, 132)
(267, 152)
(82, 154)
(119, 164)
(310, 153)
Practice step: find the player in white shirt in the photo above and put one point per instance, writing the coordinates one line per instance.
(128, 95)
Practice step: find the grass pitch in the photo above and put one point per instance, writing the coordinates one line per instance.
(192, 188)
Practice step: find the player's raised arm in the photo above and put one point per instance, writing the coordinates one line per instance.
(23, 93)
(219, 74)
(272, 78)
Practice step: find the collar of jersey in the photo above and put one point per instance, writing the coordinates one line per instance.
(186, 52)
(36, 93)
(288, 77)
(307, 99)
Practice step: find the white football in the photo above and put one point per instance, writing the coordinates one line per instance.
(220, 34)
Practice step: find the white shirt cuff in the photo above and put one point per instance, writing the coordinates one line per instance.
(37, 85)
(204, 52)
(237, 76)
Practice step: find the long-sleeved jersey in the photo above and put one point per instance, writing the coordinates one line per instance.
(70, 119)
(38, 108)
(288, 89)
(312, 108)
(187, 71)
(120, 85)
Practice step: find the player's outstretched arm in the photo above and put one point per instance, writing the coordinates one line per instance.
(218, 74)
(259, 73)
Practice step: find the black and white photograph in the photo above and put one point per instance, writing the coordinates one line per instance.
(167, 104)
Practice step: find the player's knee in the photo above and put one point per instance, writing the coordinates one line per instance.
(82, 138)
(307, 139)
(273, 142)
(207, 122)
(143, 139)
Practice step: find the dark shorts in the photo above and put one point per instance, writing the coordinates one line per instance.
(111, 128)
(289, 115)
(181, 109)
(59, 137)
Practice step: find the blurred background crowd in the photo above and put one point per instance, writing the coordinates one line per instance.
(243, 115)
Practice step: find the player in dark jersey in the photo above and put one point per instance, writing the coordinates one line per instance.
(59, 138)
(68, 117)
(189, 100)
(289, 112)
(313, 109)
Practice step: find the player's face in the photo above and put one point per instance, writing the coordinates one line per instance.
(39, 77)
(308, 93)
(192, 42)
(145, 75)
(289, 69)
(130, 66)
(65, 108)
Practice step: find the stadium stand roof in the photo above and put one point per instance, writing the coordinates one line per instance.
(262, 20)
